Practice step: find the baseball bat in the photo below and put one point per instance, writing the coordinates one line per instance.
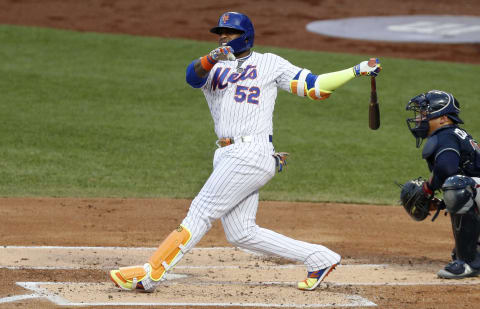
(373, 108)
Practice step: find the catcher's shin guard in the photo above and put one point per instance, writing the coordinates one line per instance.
(146, 277)
(466, 231)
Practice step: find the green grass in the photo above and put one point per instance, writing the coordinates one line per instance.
(96, 115)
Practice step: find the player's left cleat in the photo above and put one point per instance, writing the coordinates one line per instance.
(137, 278)
(121, 280)
(148, 276)
(457, 270)
(314, 278)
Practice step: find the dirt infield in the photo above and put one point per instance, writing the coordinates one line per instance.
(388, 260)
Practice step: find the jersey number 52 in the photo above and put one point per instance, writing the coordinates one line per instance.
(250, 94)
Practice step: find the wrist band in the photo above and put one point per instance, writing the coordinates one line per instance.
(427, 190)
(207, 62)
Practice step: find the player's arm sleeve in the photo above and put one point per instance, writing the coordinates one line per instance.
(192, 78)
(319, 87)
(304, 83)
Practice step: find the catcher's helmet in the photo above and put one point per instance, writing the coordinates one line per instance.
(430, 105)
(237, 21)
(459, 193)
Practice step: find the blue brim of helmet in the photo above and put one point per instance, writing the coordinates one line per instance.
(455, 118)
(217, 29)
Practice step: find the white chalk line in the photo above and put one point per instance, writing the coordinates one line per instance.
(109, 248)
(285, 266)
(11, 299)
(355, 300)
(86, 267)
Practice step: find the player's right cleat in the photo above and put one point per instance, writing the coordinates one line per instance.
(314, 278)
(457, 270)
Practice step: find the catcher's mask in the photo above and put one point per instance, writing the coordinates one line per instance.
(430, 105)
(237, 21)
(459, 193)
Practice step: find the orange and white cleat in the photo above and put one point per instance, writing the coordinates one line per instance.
(129, 278)
(314, 278)
(147, 277)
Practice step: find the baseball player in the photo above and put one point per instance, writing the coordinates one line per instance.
(453, 158)
(240, 87)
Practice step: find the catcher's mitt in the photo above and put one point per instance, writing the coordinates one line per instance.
(413, 199)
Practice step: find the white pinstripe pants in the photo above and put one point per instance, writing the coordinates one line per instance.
(231, 193)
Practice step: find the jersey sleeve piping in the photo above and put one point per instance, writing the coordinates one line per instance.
(447, 149)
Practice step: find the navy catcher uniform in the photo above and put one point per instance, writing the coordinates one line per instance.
(240, 87)
(453, 158)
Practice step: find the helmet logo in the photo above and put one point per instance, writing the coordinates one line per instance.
(238, 23)
(225, 18)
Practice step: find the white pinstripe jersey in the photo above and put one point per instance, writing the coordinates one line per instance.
(242, 103)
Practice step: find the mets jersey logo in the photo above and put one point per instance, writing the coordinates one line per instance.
(221, 77)
(225, 18)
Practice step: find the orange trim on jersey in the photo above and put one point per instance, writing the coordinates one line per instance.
(207, 62)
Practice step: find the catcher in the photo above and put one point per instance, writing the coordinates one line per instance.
(453, 158)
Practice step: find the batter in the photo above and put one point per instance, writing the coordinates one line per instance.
(240, 87)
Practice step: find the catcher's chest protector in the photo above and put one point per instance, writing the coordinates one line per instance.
(453, 138)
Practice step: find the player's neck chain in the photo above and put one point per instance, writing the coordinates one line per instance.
(239, 68)
(240, 62)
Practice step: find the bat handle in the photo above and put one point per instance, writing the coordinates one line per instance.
(373, 93)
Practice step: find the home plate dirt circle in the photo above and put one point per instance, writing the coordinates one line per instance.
(235, 278)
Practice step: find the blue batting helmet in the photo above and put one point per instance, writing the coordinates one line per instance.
(240, 22)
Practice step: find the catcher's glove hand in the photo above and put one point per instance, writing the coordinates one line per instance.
(414, 200)
(437, 205)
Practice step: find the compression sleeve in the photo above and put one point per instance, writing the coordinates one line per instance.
(192, 78)
(319, 87)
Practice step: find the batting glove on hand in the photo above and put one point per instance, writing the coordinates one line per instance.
(222, 53)
(370, 68)
(280, 160)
